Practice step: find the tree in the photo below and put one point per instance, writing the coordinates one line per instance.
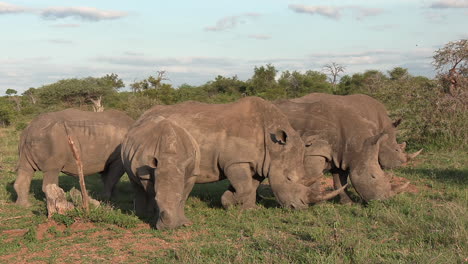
(13, 97)
(226, 85)
(32, 94)
(11, 92)
(99, 87)
(298, 84)
(153, 88)
(451, 63)
(334, 69)
(398, 73)
(263, 83)
(7, 112)
(79, 91)
(149, 83)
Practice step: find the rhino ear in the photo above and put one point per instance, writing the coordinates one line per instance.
(152, 162)
(376, 140)
(318, 147)
(397, 122)
(280, 137)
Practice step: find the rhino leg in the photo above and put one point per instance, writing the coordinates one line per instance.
(243, 185)
(111, 177)
(22, 185)
(340, 178)
(144, 204)
(50, 177)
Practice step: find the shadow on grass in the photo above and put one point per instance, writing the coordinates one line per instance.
(457, 177)
(122, 197)
(210, 193)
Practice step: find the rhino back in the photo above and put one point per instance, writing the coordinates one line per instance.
(44, 143)
(344, 130)
(363, 105)
(226, 133)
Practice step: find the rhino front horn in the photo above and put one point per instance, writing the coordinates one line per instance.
(400, 188)
(413, 155)
(327, 196)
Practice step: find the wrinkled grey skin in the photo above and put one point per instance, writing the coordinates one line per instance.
(340, 140)
(245, 142)
(159, 154)
(391, 154)
(44, 147)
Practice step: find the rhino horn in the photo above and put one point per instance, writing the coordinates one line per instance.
(402, 146)
(413, 155)
(400, 188)
(314, 198)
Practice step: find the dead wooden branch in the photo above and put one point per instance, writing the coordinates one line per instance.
(79, 165)
(56, 200)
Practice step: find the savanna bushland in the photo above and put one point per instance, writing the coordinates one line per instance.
(427, 224)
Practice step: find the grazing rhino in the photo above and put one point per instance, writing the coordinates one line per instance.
(342, 141)
(391, 154)
(155, 142)
(245, 142)
(44, 147)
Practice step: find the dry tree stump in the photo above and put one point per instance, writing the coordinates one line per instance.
(56, 201)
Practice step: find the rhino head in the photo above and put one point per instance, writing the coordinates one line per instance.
(392, 154)
(286, 171)
(366, 174)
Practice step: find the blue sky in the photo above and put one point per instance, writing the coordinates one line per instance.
(194, 41)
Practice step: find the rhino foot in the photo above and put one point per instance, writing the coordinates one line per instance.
(23, 203)
(228, 200)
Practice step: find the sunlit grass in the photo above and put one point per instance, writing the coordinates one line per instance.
(425, 227)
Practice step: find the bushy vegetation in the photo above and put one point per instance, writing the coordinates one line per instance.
(434, 111)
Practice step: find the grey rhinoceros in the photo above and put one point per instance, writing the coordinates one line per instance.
(170, 148)
(391, 154)
(342, 141)
(44, 147)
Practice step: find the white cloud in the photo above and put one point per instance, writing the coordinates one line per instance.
(328, 11)
(435, 17)
(450, 4)
(230, 22)
(384, 27)
(366, 12)
(66, 25)
(259, 36)
(84, 13)
(60, 41)
(6, 8)
(335, 12)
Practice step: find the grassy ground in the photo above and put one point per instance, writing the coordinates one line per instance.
(428, 225)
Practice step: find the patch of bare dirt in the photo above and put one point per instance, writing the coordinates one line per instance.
(13, 233)
(42, 229)
(326, 184)
(124, 243)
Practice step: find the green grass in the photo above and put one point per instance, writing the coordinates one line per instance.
(425, 227)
